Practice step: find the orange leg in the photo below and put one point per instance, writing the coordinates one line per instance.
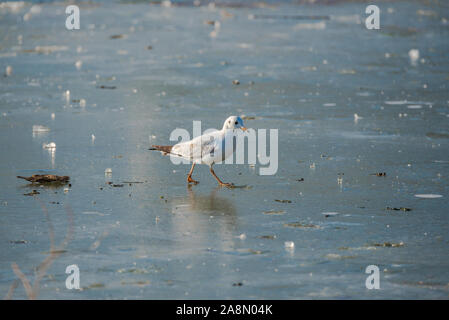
(221, 183)
(189, 176)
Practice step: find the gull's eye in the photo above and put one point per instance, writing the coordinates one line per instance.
(236, 122)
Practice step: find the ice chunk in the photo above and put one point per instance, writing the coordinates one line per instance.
(8, 71)
(289, 244)
(12, 5)
(413, 54)
(50, 49)
(50, 145)
(396, 102)
(329, 213)
(428, 196)
(35, 9)
(40, 129)
(166, 4)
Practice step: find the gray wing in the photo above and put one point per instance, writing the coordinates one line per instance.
(199, 148)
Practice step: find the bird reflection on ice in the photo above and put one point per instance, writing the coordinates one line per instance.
(195, 215)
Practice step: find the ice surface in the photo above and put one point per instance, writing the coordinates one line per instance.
(305, 78)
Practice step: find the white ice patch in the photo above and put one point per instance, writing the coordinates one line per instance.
(8, 71)
(329, 213)
(428, 196)
(355, 18)
(289, 244)
(413, 54)
(242, 236)
(95, 213)
(399, 102)
(50, 145)
(39, 129)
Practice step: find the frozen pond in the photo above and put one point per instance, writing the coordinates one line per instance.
(348, 103)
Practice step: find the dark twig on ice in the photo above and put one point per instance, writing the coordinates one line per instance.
(45, 178)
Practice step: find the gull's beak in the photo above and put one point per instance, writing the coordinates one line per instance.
(243, 128)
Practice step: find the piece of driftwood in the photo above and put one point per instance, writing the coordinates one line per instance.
(45, 178)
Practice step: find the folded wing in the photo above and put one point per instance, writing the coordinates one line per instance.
(203, 149)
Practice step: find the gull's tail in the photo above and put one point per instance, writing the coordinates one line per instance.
(164, 149)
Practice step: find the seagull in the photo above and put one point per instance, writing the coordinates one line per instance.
(206, 149)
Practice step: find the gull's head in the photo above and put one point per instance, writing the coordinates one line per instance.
(234, 122)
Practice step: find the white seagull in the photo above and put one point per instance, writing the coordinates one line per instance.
(206, 149)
